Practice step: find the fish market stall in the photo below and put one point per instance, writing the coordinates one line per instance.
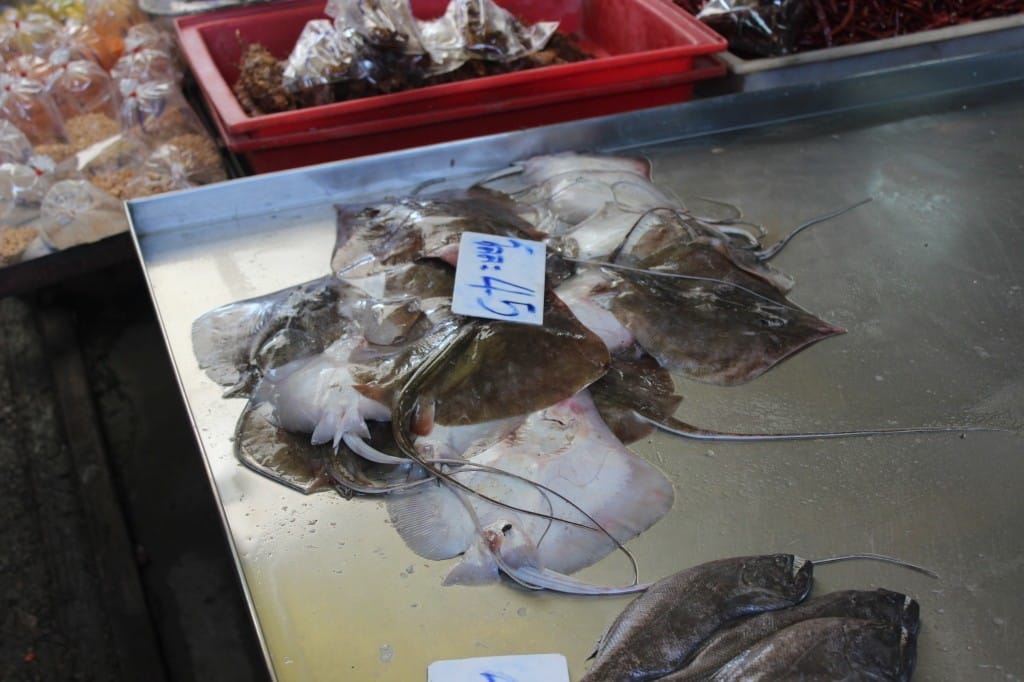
(923, 280)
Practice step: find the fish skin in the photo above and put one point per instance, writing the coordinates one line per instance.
(837, 649)
(662, 628)
(878, 605)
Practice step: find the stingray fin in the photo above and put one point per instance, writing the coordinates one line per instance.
(477, 567)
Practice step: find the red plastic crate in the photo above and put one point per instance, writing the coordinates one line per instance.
(631, 39)
(272, 153)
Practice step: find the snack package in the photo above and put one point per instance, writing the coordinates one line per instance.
(33, 33)
(85, 43)
(18, 243)
(23, 186)
(156, 111)
(76, 212)
(147, 64)
(192, 158)
(480, 29)
(321, 57)
(80, 88)
(150, 36)
(26, 103)
(14, 146)
(385, 38)
(113, 162)
(757, 28)
(111, 20)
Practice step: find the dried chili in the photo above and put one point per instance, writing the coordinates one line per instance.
(844, 22)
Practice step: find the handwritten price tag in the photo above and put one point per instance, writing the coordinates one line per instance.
(526, 668)
(500, 278)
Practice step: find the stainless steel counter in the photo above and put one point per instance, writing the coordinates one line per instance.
(926, 278)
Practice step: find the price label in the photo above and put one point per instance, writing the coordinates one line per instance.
(500, 278)
(524, 668)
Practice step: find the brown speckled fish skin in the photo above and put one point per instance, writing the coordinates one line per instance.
(827, 649)
(660, 629)
(878, 605)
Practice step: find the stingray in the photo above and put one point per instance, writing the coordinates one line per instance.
(569, 451)
(237, 342)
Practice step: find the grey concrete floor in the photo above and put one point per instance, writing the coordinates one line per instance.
(79, 600)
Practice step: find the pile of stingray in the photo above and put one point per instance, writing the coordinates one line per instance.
(499, 442)
(745, 619)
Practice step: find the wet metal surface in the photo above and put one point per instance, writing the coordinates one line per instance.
(926, 278)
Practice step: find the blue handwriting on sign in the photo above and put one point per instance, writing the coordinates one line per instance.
(497, 677)
(491, 254)
(500, 278)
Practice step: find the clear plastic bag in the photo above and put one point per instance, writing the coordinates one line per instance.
(111, 20)
(192, 158)
(26, 103)
(758, 28)
(480, 29)
(82, 87)
(156, 111)
(76, 212)
(23, 185)
(321, 56)
(150, 36)
(14, 146)
(35, 33)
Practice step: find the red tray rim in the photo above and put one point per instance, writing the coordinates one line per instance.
(224, 103)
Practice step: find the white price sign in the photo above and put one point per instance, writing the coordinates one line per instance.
(500, 278)
(525, 668)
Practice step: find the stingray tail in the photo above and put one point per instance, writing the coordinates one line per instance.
(684, 430)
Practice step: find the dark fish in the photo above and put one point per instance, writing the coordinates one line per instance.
(827, 649)
(290, 459)
(495, 369)
(726, 644)
(659, 630)
(634, 384)
(692, 307)
(374, 239)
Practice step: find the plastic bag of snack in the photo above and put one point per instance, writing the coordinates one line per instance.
(480, 29)
(77, 212)
(19, 243)
(23, 186)
(384, 34)
(156, 111)
(33, 33)
(85, 43)
(757, 28)
(150, 36)
(83, 88)
(191, 157)
(147, 64)
(321, 56)
(26, 103)
(14, 146)
(112, 162)
(111, 20)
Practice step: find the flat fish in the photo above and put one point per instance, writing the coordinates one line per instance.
(569, 450)
(694, 310)
(635, 384)
(374, 239)
(236, 343)
(840, 649)
(290, 459)
(502, 369)
(728, 643)
(659, 630)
